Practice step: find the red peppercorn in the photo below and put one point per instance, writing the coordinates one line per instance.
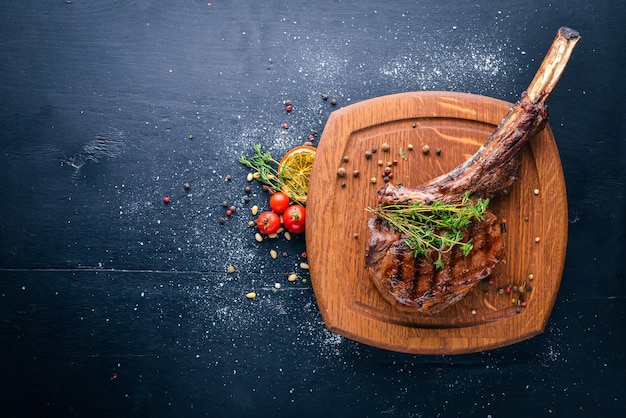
(289, 108)
(523, 303)
(229, 212)
(166, 199)
(285, 126)
(303, 254)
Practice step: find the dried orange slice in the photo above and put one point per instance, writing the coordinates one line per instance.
(294, 172)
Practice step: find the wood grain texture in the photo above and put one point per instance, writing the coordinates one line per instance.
(457, 124)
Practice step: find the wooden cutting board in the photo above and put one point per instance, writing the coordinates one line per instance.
(453, 126)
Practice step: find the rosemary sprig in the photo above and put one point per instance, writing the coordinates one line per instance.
(437, 226)
(264, 164)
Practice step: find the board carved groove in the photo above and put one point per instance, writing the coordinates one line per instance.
(337, 234)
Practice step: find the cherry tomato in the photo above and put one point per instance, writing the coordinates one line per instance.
(279, 202)
(294, 219)
(268, 222)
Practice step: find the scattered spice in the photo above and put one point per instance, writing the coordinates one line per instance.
(333, 102)
(304, 266)
(536, 191)
(355, 173)
(341, 172)
(251, 295)
(426, 150)
(438, 151)
(285, 126)
(368, 155)
(186, 186)
(346, 158)
(373, 180)
(410, 147)
(166, 199)
(292, 278)
(229, 177)
(385, 147)
(324, 96)
(230, 268)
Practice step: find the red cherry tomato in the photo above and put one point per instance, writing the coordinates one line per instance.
(268, 222)
(279, 202)
(294, 219)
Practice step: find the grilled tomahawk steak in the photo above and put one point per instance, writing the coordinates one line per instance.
(414, 283)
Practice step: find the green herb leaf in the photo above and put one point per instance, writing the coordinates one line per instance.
(438, 226)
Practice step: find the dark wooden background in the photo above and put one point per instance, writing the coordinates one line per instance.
(114, 304)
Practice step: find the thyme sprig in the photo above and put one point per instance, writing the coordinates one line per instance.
(266, 167)
(438, 226)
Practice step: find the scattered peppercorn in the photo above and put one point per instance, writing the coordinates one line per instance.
(287, 102)
(229, 177)
(346, 158)
(229, 212)
(374, 150)
(355, 173)
(247, 189)
(324, 96)
(410, 147)
(186, 186)
(438, 151)
(385, 147)
(386, 179)
(289, 108)
(368, 155)
(222, 221)
(425, 149)
(166, 199)
(373, 180)
(343, 184)
(285, 126)
(232, 208)
(225, 203)
(333, 102)
(341, 172)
